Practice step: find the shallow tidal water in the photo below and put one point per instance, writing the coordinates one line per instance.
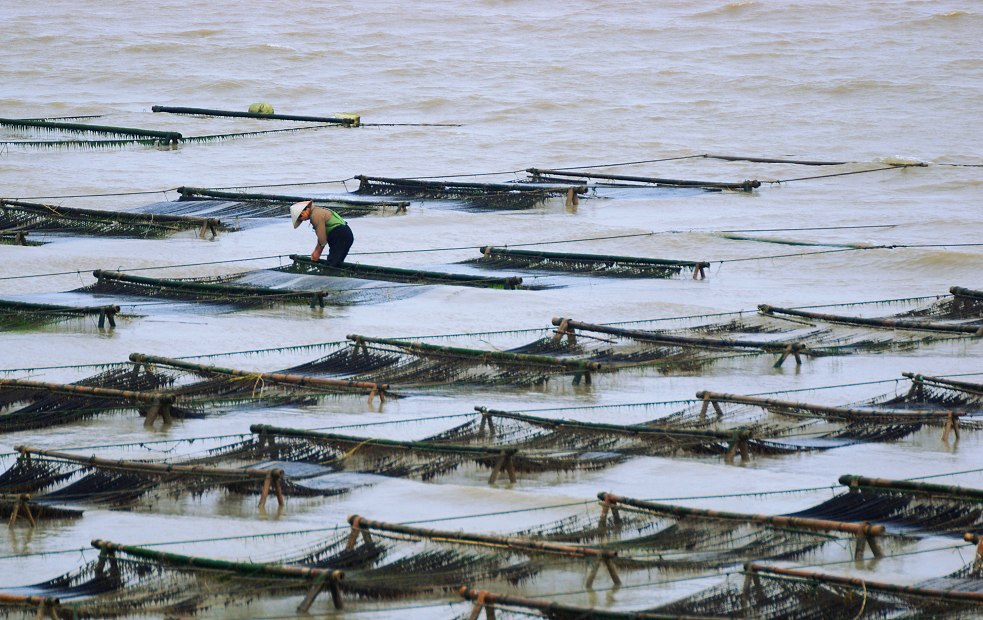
(516, 85)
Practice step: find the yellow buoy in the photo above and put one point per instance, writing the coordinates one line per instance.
(261, 108)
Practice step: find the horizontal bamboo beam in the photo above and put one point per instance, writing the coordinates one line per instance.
(423, 446)
(168, 136)
(244, 568)
(351, 204)
(27, 601)
(962, 386)
(631, 429)
(838, 412)
(486, 250)
(150, 468)
(479, 354)
(551, 609)
(957, 492)
(288, 379)
(23, 306)
(802, 523)
(511, 542)
(213, 289)
(356, 270)
(491, 187)
(655, 337)
(122, 216)
(333, 120)
(960, 291)
(742, 186)
(772, 160)
(868, 585)
(911, 324)
(88, 391)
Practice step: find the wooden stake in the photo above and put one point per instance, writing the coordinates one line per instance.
(698, 271)
(951, 424)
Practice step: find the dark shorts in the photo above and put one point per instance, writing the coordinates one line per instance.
(340, 240)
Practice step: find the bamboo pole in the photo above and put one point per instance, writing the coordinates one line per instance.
(171, 137)
(911, 324)
(23, 306)
(745, 186)
(373, 389)
(492, 187)
(858, 582)
(123, 216)
(355, 270)
(226, 474)
(480, 355)
(351, 204)
(845, 413)
(46, 605)
(629, 429)
(959, 291)
(876, 484)
(333, 120)
(249, 569)
(864, 533)
(87, 391)
(603, 556)
(212, 289)
(486, 600)
(661, 262)
(695, 341)
(962, 386)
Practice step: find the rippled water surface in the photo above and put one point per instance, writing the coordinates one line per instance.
(485, 90)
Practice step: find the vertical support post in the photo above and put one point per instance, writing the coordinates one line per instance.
(951, 424)
(751, 579)
(699, 272)
(267, 483)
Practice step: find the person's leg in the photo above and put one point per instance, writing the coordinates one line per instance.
(340, 240)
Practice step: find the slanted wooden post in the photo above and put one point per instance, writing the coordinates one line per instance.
(272, 482)
(865, 538)
(22, 505)
(486, 421)
(699, 272)
(609, 503)
(160, 407)
(738, 444)
(951, 424)
(751, 579)
(793, 349)
(605, 559)
(707, 401)
(506, 464)
(572, 198)
(332, 579)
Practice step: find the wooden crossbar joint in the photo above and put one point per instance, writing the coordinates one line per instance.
(361, 346)
(354, 520)
(377, 390)
(564, 329)
(793, 349)
(951, 424)
(865, 538)
(332, 580)
(487, 421)
(707, 401)
(107, 314)
(479, 603)
(317, 300)
(699, 270)
(107, 555)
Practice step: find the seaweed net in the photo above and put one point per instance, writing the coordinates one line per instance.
(590, 264)
(26, 216)
(909, 510)
(503, 196)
